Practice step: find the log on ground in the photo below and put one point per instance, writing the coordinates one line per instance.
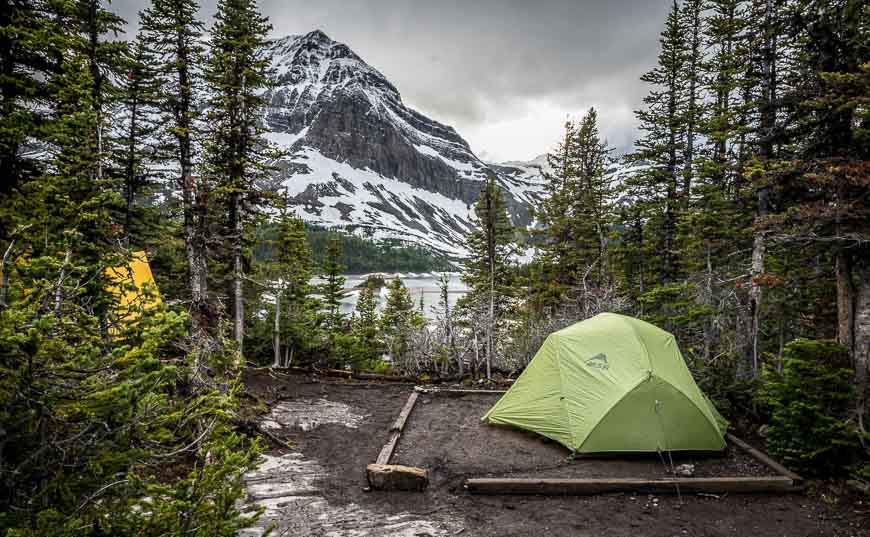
(561, 487)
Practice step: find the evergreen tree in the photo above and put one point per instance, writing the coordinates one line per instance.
(398, 321)
(332, 291)
(823, 189)
(656, 189)
(33, 43)
(285, 275)
(366, 327)
(575, 217)
(135, 152)
(556, 277)
(237, 72)
(171, 30)
(488, 269)
(591, 212)
(90, 405)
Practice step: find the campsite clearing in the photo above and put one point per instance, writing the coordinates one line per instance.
(444, 435)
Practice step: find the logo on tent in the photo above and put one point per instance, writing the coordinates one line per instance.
(599, 361)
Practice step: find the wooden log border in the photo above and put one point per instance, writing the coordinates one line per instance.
(765, 459)
(785, 482)
(565, 487)
(396, 430)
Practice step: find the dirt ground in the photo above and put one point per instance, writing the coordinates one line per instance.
(445, 436)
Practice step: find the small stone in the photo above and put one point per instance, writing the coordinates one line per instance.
(685, 470)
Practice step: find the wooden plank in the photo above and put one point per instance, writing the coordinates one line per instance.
(387, 450)
(396, 430)
(437, 391)
(561, 487)
(406, 411)
(765, 459)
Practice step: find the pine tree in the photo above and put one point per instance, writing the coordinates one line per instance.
(171, 30)
(398, 321)
(488, 269)
(237, 72)
(656, 189)
(135, 152)
(823, 189)
(366, 328)
(332, 291)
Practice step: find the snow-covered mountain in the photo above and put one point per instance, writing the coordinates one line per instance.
(359, 158)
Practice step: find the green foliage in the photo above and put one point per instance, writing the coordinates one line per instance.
(332, 289)
(809, 403)
(488, 270)
(399, 320)
(575, 217)
(95, 427)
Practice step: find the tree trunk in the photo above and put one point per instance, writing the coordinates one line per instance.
(238, 273)
(708, 298)
(862, 339)
(767, 110)
(845, 302)
(276, 330)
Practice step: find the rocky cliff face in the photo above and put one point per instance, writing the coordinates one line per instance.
(360, 159)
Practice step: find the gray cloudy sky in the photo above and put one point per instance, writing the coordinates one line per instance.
(504, 73)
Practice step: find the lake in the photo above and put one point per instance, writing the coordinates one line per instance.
(425, 284)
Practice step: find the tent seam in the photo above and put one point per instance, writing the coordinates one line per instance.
(562, 392)
(641, 341)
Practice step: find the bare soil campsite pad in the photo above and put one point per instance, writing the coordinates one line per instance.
(320, 488)
(446, 436)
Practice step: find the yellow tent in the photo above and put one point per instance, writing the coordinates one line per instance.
(134, 286)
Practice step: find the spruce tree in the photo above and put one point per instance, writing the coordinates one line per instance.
(823, 189)
(366, 328)
(33, 42)
(332, 292)
(590, 213)
(555, 237)
(656, 189)
(488, 272)
(135, 151)
(398, 321)
(237, 72)
(170, 29)
(91, 405)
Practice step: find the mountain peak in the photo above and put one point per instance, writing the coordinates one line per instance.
(364, 159)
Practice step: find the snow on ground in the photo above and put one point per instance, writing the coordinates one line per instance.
(391, 209)
(307, 415)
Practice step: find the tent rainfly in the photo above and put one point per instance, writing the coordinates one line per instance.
(612, 383)
(133, 287)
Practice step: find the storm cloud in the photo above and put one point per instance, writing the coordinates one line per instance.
(504, 73)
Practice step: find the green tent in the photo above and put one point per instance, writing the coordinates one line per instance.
(612, 384)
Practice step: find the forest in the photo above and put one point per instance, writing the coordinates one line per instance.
(743, 227)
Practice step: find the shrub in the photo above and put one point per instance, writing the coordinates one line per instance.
(809, 402)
